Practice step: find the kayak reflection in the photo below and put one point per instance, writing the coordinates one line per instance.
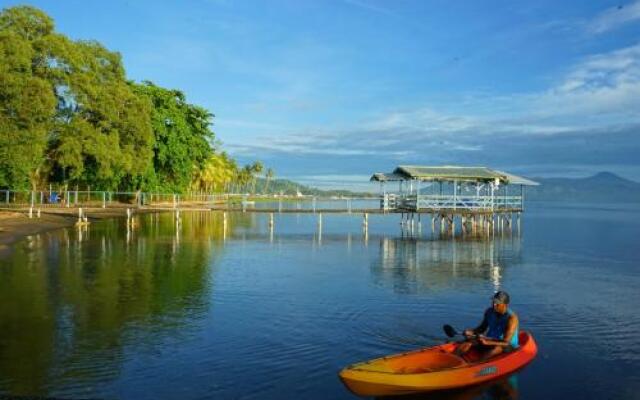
(505, 388)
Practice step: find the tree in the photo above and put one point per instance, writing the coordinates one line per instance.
(182, 136)
(243, 177)
(66, 110)
(218, 171)
(27, 101)
(255, 169)
(268, 176)
(68, 115)
(103, 134)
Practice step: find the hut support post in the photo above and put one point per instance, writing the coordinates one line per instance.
(455, 194)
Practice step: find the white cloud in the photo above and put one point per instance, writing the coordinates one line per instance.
(595, 101)
(614, 17)
(604, 84)
(265, 145)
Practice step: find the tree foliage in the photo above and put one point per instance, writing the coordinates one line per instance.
(69, 116)
(27, 101)
(68, 113)
(218, 173)
(182, 137)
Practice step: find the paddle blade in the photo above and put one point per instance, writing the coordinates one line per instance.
(449, 330)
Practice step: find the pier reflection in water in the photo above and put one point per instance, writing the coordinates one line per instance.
(413, 265)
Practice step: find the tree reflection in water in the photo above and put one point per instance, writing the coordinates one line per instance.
(72, 300)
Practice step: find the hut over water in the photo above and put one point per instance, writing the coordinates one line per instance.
(452, 189)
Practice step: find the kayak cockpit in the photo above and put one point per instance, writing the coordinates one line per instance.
(427, 361)
(419, 362)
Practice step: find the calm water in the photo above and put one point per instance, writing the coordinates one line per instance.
(194, 313)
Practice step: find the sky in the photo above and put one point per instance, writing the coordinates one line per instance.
(327, 92)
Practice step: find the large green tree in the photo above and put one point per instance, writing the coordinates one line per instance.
(102, 135)
(27, 100)
(69, 115)
(67, 112)
(183, 137)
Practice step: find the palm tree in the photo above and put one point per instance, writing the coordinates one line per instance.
(255, 169)
(244, 177)
(268, 176)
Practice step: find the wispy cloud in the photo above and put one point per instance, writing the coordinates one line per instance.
(591, 109)
(603, 84)
(615, 17)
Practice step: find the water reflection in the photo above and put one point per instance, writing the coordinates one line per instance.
(499, 389)
(413, 264)
(72, 301)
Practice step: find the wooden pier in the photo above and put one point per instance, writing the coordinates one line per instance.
(468, 200)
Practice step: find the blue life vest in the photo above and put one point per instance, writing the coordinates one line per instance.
(498, 326)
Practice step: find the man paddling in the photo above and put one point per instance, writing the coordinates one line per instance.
(497, 333)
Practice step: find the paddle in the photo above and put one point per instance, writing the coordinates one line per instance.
(451, 332)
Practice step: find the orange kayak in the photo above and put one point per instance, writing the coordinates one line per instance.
(433, 368)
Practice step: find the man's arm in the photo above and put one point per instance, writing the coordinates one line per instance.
(480, 329)
(512, 324)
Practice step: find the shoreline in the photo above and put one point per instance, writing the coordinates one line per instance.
(15, 225)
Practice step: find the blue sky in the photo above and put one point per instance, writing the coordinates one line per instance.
(328, 92)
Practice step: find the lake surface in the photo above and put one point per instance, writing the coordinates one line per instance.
(196, 311)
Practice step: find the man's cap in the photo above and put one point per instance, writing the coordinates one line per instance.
(501, 297)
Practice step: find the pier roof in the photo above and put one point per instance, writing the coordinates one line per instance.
(449, 173)
(518, 180)
(389, 176)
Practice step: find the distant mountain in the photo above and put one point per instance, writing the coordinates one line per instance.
(604, 186)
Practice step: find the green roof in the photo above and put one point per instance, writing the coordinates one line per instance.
(450, 173)
(390, 176)
(517, 180)
(447, 173)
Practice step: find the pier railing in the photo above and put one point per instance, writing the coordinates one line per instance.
(389, 202)
(95, 199)
(452, 202)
